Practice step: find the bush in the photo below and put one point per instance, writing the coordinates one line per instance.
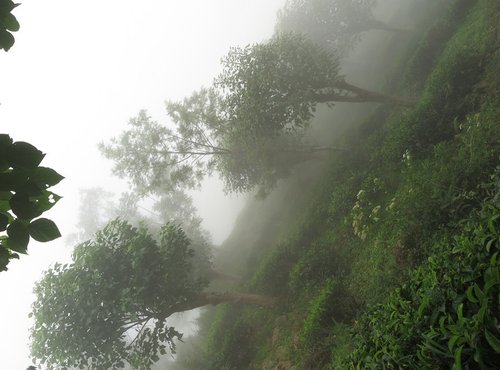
(447, 314)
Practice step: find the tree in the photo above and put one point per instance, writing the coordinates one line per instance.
(110, 305)
(24, 197)
(275, 86)
(162, 160)
(333, 24)
(8, 24)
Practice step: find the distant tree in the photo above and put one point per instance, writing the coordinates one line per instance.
(98, 207)
(110, 305)
(8, 24)
(24, 197)
(161, 160)
(333, 24)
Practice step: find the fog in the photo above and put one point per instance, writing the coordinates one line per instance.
(79, 71)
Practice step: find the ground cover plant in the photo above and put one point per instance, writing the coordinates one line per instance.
(394, 261)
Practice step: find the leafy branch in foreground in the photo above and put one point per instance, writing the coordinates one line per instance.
(110, 305)
(24, 196)
(8, 24)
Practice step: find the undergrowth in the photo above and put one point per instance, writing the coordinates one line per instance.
(394, 263)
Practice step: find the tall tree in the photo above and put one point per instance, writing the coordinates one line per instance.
(110, 305)
(158, 159)
(275, 86)
(333, 24)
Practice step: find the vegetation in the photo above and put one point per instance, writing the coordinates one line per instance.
(394, 262)
(24, 197)
(335, 25)
(248, 127)
(109, 307)
(8, 24)
(389, 259)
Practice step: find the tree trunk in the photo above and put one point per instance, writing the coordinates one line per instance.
(215, 274)
(382, 26)
(360, 95)
(204, 299)
(311, 149)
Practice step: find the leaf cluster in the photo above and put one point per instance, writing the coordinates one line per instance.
(446, 315)
(24, 197)
(332, 24)
(111, 304)
(8, 24)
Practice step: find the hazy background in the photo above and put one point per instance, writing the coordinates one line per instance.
(77, 72)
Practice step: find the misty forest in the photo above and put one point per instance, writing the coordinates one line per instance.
(366, 139)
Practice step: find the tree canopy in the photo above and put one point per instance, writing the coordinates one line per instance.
(248, 126)
(333, 24)
(110, 305)
(160, 160)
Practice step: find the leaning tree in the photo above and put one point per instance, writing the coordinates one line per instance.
(248, 126)
(110, 306)
(276, 86)
(333, 24)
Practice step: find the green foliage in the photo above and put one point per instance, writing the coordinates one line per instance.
(229, 342)
(447, 313)
(123, 282)
(335, 25)
(8, 24)
(157, 159)
(331, 306)
(434, 41)
(272, 87)
(422, 254)
(24, 197)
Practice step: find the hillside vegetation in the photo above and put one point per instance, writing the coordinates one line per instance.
(386, 255)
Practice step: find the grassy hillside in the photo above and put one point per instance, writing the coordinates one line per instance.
(385, 256)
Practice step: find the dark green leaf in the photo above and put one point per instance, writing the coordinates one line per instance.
(43, 230)
(30, 188)
(10, 22)
(458, 359)
(5, 195)
(24, 155)
(47, 200)
(12, 180)
(4, 221)
(46, 176)
(18, 237)
(5, 143)
(493, 341)
(23, 208)
(4, 205)
(6, 40)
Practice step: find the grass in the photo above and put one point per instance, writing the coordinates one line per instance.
(371, 272)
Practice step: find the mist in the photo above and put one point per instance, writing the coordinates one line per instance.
(248, 186)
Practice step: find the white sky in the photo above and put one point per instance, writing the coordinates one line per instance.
(77, 72)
